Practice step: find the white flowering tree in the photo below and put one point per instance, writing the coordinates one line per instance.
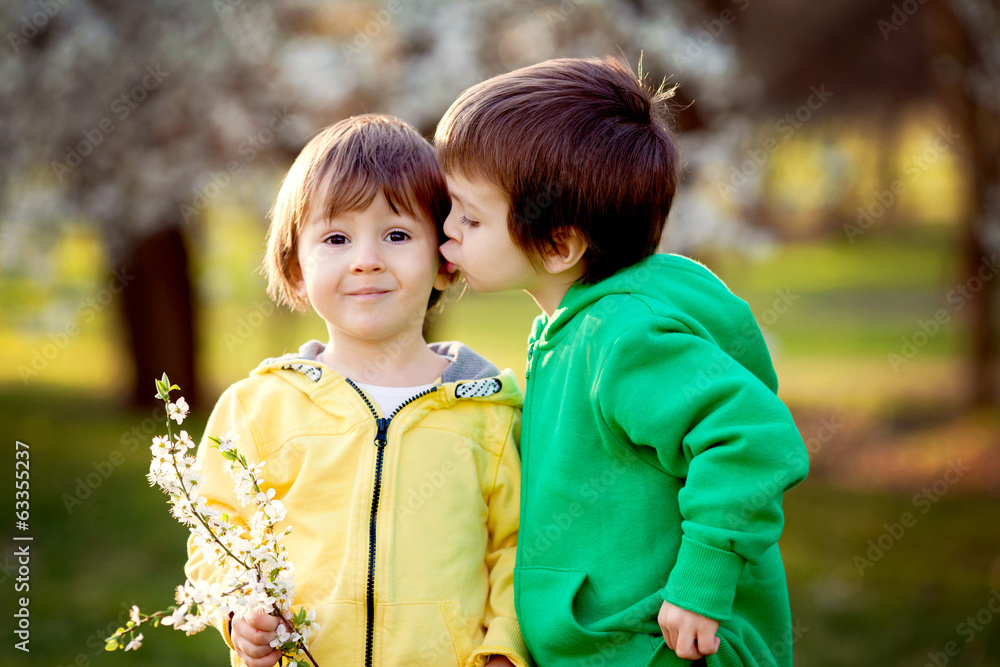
(119, 114)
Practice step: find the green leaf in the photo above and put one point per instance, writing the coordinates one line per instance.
(112, 645)
(215, 440)
(163, 388)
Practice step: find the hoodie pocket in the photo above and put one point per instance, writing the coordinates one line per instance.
(725, 657)
(552, 632)
(427, 634)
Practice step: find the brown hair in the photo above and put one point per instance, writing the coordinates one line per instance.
(579, 143)
(343, 168)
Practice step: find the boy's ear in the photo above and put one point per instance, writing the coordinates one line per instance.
(443, 279)
(296, 279)
(565, 251)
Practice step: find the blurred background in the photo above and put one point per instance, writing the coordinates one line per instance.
(842, 174)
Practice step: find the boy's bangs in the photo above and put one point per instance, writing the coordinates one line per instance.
(466, 145)
(351, 182)
(346, 190)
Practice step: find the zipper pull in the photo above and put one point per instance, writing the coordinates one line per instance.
(383, 426)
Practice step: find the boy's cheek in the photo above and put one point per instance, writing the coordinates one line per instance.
(309, 264)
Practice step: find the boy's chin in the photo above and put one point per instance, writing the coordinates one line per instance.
(472, 283)
(481, 288)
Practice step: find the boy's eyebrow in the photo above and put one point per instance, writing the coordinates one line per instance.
(464, 202)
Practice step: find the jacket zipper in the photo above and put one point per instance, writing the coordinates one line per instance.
(381, 440)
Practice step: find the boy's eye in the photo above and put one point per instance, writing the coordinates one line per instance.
(336, 239)
(398, 236)
(470, 223)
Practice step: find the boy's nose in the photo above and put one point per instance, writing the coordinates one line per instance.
(367, 258)
(451, 227)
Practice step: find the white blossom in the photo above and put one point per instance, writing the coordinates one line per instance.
(256, 572)
(228, 441)
(178, 411)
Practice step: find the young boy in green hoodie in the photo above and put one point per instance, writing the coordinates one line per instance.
(655, 450)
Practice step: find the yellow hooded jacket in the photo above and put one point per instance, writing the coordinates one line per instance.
(404, 526)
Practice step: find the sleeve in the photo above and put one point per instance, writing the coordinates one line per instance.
(217, 487)
(503, 634)
(717, 426)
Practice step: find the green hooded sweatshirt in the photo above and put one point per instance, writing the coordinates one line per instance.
(655, 453)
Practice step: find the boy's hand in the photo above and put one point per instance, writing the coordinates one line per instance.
(690, 635)
(252, 635)
(499, 661)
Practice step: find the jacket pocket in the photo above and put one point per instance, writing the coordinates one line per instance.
(430, 634)
(725, 657)
(552, 632)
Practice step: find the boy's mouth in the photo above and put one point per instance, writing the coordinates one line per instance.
(368, 293)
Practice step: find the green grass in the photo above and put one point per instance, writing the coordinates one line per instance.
(102, 538)
(908, 602)
(916, 262)
(833, 299)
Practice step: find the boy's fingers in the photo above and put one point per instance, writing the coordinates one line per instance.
(269, 660)
(706, 641)
(707, 644)
(686, 647)
(249, 651)
(668, 628)
(264, 622)
(251, 635)
(669, 636)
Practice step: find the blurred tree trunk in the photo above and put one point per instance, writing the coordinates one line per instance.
(979, 129)
(159, 315)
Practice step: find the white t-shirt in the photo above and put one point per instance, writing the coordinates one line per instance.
(390, 398)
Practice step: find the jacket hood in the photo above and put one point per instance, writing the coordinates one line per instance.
(685, 296)
(467, 376)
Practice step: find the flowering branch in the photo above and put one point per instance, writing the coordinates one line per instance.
(257, 573)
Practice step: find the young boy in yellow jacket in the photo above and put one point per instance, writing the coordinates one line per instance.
(396, 460)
